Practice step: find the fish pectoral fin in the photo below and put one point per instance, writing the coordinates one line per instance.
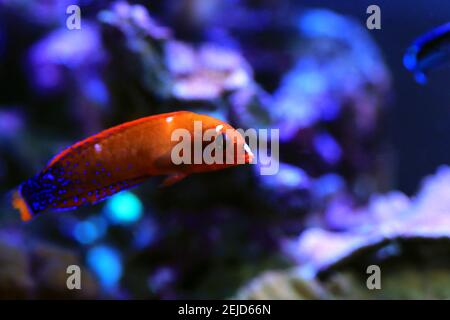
(173, 178)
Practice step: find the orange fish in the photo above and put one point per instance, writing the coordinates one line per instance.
(120, 158)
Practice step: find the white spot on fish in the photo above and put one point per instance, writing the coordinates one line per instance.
(219, 128)
(169, 119)
(98, 148)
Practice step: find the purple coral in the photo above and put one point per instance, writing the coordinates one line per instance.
(389, 216)
(205, 72)
(79, 51)
(131, 19)
(339, 61)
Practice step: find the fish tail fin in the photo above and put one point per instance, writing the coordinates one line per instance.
(19, 203)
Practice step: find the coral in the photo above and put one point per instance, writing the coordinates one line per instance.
(408, 239)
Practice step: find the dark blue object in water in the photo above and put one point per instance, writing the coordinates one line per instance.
(428, 52)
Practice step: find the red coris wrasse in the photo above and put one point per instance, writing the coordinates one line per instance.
(117, 159)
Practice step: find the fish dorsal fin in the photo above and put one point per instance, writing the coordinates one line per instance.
(105, 133)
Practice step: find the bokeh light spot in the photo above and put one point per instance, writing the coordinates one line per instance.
(90, 230)
(85, 232)
(106, 263)
(124, 208)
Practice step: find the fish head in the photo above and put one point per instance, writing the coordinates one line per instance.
(226, 143)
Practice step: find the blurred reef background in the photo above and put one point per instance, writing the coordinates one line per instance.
(357, 135)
